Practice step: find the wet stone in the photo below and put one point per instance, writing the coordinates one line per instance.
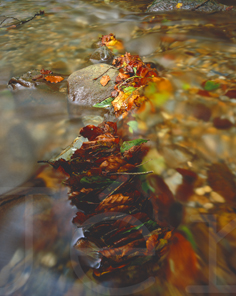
(85, 91)
(102, 55)
(168, 5)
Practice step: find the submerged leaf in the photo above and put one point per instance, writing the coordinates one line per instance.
(211, 85)
(129, 144)
(221, 179)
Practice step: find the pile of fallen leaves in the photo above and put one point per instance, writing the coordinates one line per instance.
(115, 212)
(125, 212)
(136, 83)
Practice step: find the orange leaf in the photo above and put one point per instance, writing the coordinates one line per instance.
(182, 263)
(54, 79)
(104, 80)
(151, 242)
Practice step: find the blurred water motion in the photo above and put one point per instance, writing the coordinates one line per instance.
(36, 231)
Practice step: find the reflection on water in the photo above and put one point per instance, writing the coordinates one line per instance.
(35, 124)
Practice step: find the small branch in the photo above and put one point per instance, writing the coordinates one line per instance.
(42, 161)
(199, 5)
(7, 17)
(104, 72)
(132, 173)
(135, 76)
(22, 22)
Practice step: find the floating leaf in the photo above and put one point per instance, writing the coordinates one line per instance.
(231, 93)
(129, 144)
(221, 179)
(106, 103)
(182, 263)
(211, 85)
(54, 79)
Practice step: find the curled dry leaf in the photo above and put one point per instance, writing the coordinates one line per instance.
(104, 80)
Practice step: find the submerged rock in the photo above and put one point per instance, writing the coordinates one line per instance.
(102, 55)
(85, 91)
(197, 5)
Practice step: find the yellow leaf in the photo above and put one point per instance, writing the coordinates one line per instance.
(179, 5)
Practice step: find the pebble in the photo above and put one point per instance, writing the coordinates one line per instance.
(49, 260)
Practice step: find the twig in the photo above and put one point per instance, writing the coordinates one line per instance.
(104, 72)
(199, 5)
(7, 17)
(23, 22)
(135, 76)
(131, 173)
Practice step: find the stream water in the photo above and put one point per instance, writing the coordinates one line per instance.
(37, 235)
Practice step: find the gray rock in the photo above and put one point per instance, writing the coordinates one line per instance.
(102, 55)
(169, 5)
(84, 91)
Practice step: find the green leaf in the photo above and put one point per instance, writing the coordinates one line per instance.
(96, 180)
(188, 235)
(129, 144)
(146, 187)
(106, 103)
(135, 70)
(129, 89)
(211, 85)
(150, 225)
(133, 126)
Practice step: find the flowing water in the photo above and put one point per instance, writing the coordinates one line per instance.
(37, 235)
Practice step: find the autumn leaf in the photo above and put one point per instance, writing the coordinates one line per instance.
(104, 80)
(179, 5)
(112, 43)
(54, 79)
(222, 181)
(45, 72)
(182, 263)
(104, 178)
(231, 93)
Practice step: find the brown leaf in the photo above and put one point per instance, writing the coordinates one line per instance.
(186, 189)
(182, 265)
(45, 72)
(222, 123)
(105, 79)
(151, 242)
(54, 79)
(113, 201)
(221, 179)
(231, 93)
